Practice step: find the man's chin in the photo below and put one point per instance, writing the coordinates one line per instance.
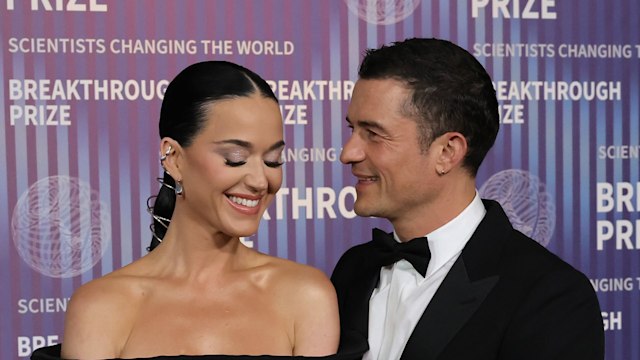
(364, 210)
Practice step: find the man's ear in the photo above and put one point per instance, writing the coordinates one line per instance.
(170, 157)
(453, 150)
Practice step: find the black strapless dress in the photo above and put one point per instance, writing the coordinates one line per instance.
(352, 347)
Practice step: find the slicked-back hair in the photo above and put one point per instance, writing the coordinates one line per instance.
(184, 114)
(450, 91)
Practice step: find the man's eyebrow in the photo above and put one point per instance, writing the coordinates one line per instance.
(367, 124)
(248, 145)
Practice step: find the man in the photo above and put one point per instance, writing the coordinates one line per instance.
(423, 116)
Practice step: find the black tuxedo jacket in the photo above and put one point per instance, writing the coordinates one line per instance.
(506, 297)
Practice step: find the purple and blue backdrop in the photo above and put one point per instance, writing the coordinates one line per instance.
(82, 82)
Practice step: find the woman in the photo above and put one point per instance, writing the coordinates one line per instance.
(200, 291)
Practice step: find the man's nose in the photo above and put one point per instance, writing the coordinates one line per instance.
(352, 151)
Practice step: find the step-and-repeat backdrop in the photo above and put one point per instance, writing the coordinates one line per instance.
(81, 87)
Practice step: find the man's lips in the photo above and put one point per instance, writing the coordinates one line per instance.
(365, 179)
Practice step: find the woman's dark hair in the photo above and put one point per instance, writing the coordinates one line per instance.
(183, 116)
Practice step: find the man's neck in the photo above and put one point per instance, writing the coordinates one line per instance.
(449, 204)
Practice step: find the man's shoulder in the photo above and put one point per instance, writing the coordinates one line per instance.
(354, 260)
(521, 248)
(528, 259)
(357, 253)
(524, 248)
(517, 254)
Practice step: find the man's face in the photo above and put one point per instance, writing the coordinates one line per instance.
(395, 179)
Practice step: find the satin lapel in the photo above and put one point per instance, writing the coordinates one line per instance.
(357, 298)
(361, 296)
(453, 304)
(464, 289)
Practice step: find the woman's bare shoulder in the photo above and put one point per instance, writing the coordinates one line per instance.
(101, 313)
(122, 286)
(309, 296)
(300, 287)
(298, 277)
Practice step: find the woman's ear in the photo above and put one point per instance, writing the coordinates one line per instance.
(170, 154)
(454, 150)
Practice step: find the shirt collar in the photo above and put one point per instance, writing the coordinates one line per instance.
(448, 240)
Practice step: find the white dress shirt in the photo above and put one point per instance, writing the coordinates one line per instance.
(403, 294)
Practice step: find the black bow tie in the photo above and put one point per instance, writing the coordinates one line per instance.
(415, 251)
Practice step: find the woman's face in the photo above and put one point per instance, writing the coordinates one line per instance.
(232, 169)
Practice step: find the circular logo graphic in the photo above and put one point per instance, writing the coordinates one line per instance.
(60, 227)
(382, 12)
(526, 202)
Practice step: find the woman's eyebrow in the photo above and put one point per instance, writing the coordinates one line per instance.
(248, 145)
(241, 143)
(277, 145)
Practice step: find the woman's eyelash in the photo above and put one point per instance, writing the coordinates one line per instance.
(273, 164)
(234, 163)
